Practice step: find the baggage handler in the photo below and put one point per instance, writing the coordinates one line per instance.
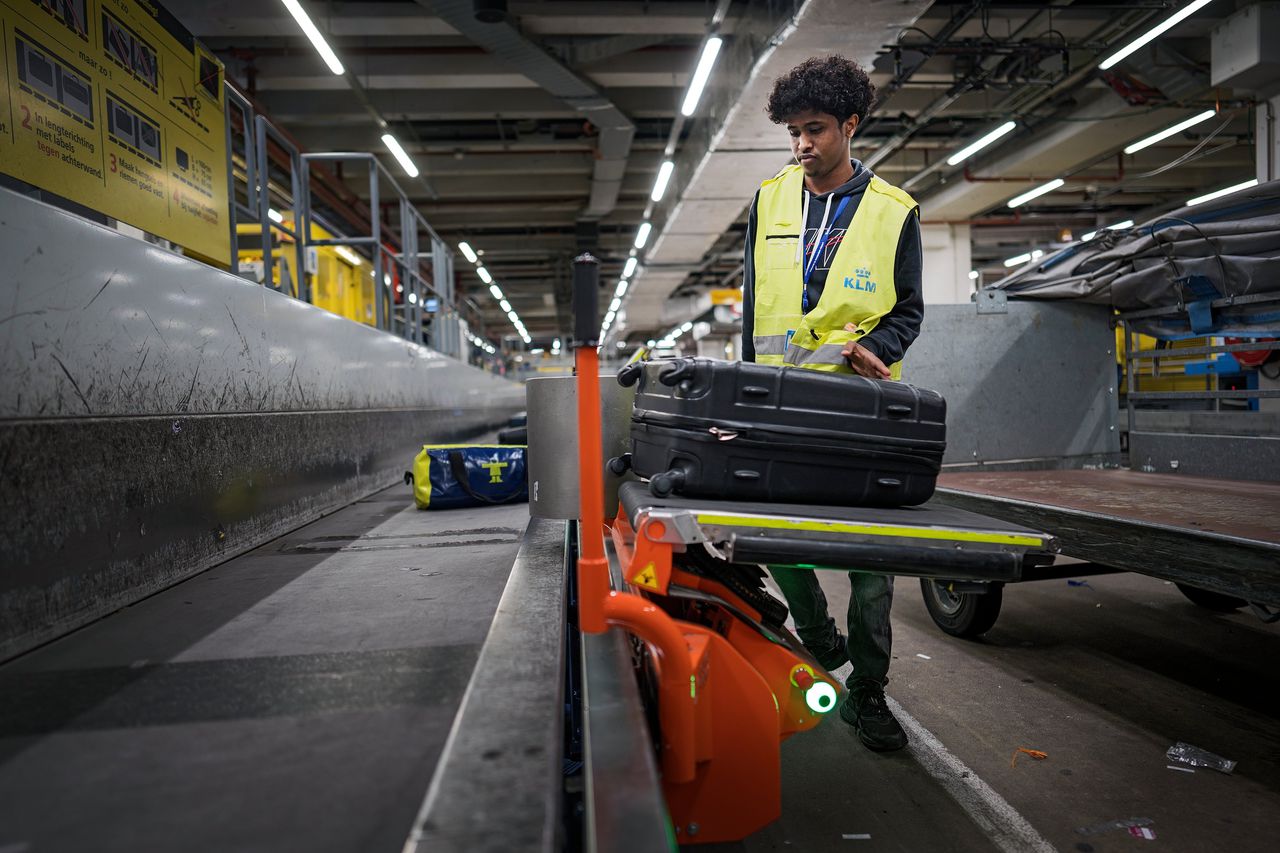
(832, 283)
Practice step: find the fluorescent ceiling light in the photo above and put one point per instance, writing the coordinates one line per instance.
(973, 275)
(484, 275)
(274, 215)
(317, 41)
(504, 305)
(675, 333)
(393, 145)
(630, 267)
(664, 175)
(413, 298)
(1170, 131)
(684, 327)
(621, 344)
(1220, 193)
(651, 343)
(643, 234)
(1154, 32)
(496, 291)
(1128, 223)
(608, 318)
(1036, 193)
(511, 315)
(615, 305)
(348, 255)
(468, 252)
(621, 288)
(1019, 260)
(978, 144)
(700, 75)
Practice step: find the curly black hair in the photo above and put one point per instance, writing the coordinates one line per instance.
(824, 84)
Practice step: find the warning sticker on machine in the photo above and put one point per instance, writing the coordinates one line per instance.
(646, 578)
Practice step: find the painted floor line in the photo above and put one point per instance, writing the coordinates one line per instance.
(991, 812)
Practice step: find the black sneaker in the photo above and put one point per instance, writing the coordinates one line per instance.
(834, 657)
(869, 714)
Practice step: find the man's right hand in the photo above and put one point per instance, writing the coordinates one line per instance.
(863, 361)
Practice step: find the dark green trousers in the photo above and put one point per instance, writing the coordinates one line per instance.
(869, 636)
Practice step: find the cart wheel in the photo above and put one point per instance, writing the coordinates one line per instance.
(1215, 601)
(962, 614)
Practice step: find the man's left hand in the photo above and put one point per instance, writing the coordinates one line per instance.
(863, 361)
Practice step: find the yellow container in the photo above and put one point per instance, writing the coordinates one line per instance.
(1168, 373)
(339, 285)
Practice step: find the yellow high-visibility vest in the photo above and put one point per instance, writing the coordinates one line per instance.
(859, 287)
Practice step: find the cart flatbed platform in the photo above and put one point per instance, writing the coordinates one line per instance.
(931, 540)
(1220, 535)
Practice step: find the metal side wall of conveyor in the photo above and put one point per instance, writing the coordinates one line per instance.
(159, 416)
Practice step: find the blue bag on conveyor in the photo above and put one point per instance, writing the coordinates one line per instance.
(448, 476)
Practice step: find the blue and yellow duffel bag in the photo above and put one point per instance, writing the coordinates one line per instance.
(448, 476)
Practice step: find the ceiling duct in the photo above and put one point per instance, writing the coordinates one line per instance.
(741, 147)
(613, 145)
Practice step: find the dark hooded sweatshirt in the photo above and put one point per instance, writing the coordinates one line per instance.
(897, 329)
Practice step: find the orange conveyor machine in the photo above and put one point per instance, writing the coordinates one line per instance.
(732, 682)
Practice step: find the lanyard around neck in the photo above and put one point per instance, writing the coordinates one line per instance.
(819, 241)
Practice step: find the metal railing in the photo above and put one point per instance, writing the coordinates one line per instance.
(422, 268)
(1211, 394)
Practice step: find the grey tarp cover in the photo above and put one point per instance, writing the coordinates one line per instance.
(1234, 242)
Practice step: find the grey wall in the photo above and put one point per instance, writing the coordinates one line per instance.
(1034, 386)
(158, 416)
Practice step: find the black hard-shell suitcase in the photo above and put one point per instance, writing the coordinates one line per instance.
(750, 432)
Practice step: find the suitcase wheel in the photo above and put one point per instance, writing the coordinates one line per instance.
(620, 465)
(662, 485)
(630, 374)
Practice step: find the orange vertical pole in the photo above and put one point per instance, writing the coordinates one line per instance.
(598, 607)
(593, 567)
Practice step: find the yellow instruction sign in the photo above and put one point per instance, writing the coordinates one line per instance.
(114, 105)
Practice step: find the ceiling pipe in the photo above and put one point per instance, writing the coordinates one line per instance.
(616, 130)
(1016, 219)
(1031, 179)
(884, 93)
(1076, 77)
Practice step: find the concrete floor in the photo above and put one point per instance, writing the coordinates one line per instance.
(294, 698)
(298, 697)
(1104, 678)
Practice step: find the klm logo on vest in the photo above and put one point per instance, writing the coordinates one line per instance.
(861, 280)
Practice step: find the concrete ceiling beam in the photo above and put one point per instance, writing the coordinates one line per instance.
(249, 18)
(334, 108)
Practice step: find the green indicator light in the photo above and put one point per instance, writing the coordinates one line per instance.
(821, 697)
(693, 687)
